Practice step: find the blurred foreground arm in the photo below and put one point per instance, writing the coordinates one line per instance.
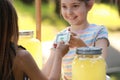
(52, 68)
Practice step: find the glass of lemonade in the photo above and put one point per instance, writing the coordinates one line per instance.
(88, 64)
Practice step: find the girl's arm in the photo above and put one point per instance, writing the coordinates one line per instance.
(75, 41)
(102, 43)
(60, 51)
(48, 65)
(56, 68)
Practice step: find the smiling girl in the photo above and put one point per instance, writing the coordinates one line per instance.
(82, 32)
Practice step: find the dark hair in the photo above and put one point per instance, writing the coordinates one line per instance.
(86, 1)
(8, 36)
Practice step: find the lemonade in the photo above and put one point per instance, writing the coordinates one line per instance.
(32, 45)
(88, 67)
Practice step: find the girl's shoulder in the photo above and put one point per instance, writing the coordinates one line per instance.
(95, 27)
(20, 63)
(22, 56)
(22, 53)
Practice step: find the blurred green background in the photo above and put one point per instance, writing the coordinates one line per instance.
(103, 12)
(26, 14)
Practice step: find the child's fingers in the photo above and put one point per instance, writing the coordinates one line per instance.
(54, 45)
(61, 42)
(58, 44)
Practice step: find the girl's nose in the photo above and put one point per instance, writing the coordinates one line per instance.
(69, 11)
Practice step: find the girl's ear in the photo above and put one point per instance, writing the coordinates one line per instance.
(90, 4)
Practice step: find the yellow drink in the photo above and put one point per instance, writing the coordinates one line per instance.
(32, 45)
(88, 67)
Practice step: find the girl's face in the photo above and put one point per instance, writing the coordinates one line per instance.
(74, 11)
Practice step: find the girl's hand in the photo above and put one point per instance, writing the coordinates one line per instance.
(75, 41)
(62, 48)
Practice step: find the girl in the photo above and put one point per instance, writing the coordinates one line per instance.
(15, 62)
(82, 32)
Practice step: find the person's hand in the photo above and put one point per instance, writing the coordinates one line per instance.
(75, 41)
(62, 48)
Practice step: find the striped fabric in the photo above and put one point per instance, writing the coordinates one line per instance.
(89, 35)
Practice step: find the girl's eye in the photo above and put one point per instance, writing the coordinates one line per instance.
(75, 6)
(64, 7)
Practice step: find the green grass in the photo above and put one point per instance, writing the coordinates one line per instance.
(24, 8)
